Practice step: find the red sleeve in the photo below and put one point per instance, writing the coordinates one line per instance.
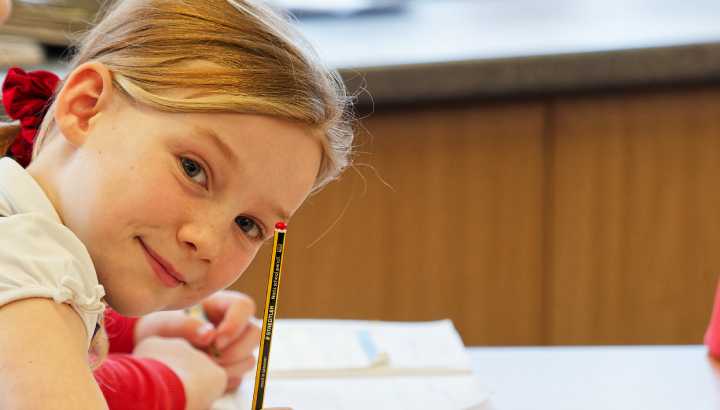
(121, 331)
(712, 336)
(141, 383)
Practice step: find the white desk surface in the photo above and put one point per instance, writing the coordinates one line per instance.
(599, 378)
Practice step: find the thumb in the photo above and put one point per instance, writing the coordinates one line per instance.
(196, 331)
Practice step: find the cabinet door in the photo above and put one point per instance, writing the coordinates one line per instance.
(635, 221)
(441, 218)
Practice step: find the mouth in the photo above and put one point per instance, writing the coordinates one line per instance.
(163, 270)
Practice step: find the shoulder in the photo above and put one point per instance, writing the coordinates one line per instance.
(42, 258)
(31, 233)
(32, 243)
(5, 206)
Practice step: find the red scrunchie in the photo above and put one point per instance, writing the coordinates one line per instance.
(26, 97)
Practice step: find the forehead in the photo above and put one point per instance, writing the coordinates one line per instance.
(239, 135)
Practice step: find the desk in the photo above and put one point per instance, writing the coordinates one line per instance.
(599, 378)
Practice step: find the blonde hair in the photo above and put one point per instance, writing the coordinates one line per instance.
(259, 65)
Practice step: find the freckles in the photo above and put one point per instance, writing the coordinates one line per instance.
(164, 204)
(233, 269)
(136, 202)
(158, 191)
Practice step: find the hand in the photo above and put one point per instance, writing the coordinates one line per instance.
(204, 381)
(231, 332)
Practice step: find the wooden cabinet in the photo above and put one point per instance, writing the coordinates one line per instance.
(556, 220)
(634, 245)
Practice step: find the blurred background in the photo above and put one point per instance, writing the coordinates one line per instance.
(541, 173)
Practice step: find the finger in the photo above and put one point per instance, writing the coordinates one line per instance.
(219, 302)
(175, 324)
(237, 311)
(239, 368)
(201, 334)
(233, 384)
(236, 371)
(196, 331)
(241, 347)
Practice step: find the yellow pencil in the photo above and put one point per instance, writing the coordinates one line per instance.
(269, 316)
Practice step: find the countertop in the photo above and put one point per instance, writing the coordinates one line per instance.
(451, 49)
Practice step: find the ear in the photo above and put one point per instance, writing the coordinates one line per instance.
(84, 95)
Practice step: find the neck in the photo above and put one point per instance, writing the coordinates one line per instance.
(45, 169)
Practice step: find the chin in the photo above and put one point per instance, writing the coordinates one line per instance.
(129, 306)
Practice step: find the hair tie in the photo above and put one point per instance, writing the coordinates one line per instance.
(26, 97)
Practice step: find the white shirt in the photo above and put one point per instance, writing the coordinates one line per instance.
(39, 256)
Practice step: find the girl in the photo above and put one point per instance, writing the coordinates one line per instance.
(184, 130)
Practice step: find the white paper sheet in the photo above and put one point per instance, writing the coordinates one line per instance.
(363, 365)
(306, 348)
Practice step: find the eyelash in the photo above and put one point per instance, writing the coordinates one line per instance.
(185, 160)
(261, 232)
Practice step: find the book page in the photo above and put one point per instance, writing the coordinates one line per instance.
(314, 345)
(306, 348)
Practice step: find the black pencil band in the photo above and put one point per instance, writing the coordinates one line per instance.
(271, 297)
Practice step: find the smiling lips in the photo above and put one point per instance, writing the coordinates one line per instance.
(164, 270)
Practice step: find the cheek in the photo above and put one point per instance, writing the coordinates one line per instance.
(232, 267)
(155, 204)
(120, 201)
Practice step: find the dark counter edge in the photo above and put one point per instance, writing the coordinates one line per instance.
(498, 78)
(491, 78)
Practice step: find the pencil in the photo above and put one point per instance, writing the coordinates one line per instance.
(269, 316)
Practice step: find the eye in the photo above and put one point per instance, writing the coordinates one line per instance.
(193, 170)
(250, 227)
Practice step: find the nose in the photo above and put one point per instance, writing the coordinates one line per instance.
(203, 241)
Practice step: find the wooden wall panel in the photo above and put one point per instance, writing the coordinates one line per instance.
(634, 227)
(575, 220)
(457, 233)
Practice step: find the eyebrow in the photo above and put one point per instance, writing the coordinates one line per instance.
(231, 157)
(219, 144)
(282, 215)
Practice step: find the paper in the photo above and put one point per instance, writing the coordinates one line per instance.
(307, 348)
(455, 392)
(361, 365)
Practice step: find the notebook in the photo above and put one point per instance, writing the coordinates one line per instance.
(353, 365)
(317, 348)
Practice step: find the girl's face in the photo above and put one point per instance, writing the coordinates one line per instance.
(193, 194)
